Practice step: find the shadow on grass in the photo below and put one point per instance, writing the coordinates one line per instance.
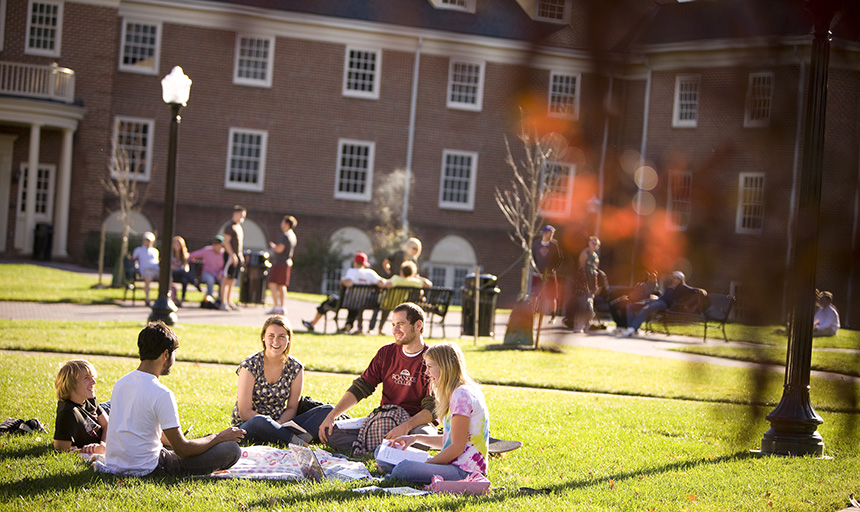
(31, 452)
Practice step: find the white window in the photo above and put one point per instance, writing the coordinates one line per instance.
(451, 276)
(454, 5)
(44, 28)
(254, 57)
(557, 181)
(552, 10)
(750, 217)
(564, 95)
(246, 159)
(457, 188)
(43, 194)
(354, 178)
(679, 203)
(132, 146)
(759, 94)
(465, 84)
(141, 46)
(686, 112)
(361, 73)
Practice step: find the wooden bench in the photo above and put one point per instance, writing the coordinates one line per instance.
(434, 301)
(130, 278)
(714, 314)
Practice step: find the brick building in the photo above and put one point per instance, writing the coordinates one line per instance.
(316, 109)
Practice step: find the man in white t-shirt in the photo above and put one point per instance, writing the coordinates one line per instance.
(146, 258)
(144, 419)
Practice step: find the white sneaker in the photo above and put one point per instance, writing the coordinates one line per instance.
(629, 332)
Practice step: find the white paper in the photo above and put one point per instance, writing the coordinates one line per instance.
(392, 455)
(405, 491)
(350, 424)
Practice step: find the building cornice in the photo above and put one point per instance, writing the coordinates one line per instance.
(312, 27)
(45, 113)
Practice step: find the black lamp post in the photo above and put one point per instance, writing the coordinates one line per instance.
(794, 422)
(175, 89)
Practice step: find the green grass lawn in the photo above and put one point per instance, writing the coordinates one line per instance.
(655, 434)
(572, 369)
(590, 452)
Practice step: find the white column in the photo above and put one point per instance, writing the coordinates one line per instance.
(61, 212)
(32, 172)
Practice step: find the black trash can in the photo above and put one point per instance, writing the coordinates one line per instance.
(252, 289)
(43, 241)
(488, 295)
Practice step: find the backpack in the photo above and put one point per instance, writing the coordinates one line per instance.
(376, 425)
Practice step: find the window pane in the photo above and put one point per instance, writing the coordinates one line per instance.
(551, 9)
(245, 158)
(44, 19)
(361, 74)
(132, 143)
(354, 168)
(562, 95)
(465, 79)
(457, 180)
(139, 45)
(253, 60)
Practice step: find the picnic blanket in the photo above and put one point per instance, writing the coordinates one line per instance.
(269, 463)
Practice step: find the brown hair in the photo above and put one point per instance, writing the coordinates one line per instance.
(278, 320)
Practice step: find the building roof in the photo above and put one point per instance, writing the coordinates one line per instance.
(492, 18)
(715, 20)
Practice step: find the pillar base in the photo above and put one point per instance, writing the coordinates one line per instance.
(775, 443)
(164, 310)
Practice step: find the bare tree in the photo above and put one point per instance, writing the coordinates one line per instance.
(123, 183)
(532, 183)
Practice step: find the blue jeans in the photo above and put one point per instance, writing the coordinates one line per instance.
(422, 472)
(221, 456)
(649, 309)
(263, 429)
(210, 281)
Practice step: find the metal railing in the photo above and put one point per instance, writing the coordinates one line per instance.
(34, 81)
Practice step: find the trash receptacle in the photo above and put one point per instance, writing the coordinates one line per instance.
(255, 277)
(488, 295)
(43, 241)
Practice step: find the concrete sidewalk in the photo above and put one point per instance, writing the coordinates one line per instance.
(253, 315)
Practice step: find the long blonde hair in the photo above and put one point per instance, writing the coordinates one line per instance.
(183, 249)
(452, 373)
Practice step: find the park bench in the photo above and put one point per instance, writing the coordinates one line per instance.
(713, 313)
(130, 278)
(434, 301)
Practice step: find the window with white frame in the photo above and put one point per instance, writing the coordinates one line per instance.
(44, 28)
(686, 111)
(450, 276)
(43, 194)
(132, 147)
(361, 73)
(563, 95)
(141, 46)
(679, 203)
(254, 57)
(457, 188)
(552, 10)
(557, 180)
(246, 159)
(759, 94)
(750, 216)
(354, 180)
(465, 84)
(454, 5)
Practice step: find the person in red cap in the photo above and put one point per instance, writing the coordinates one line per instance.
(360, 273)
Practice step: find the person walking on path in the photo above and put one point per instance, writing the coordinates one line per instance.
(145, 421)
(234, 242)
(282, 263)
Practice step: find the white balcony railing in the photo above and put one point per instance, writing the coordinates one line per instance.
(30, 80)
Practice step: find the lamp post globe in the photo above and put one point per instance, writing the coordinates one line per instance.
(175, 90)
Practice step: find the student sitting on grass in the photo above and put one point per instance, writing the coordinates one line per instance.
(81, 422)
(269, 390)
(465, 428)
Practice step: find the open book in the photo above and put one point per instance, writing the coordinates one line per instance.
(392, 455)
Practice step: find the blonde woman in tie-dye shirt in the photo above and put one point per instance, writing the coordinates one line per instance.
(465, 424)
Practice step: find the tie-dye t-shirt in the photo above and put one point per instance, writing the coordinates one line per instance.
(468, 401)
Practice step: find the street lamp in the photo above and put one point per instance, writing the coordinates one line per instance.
(175, 89)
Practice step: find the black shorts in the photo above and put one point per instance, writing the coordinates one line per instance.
(233, 271)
